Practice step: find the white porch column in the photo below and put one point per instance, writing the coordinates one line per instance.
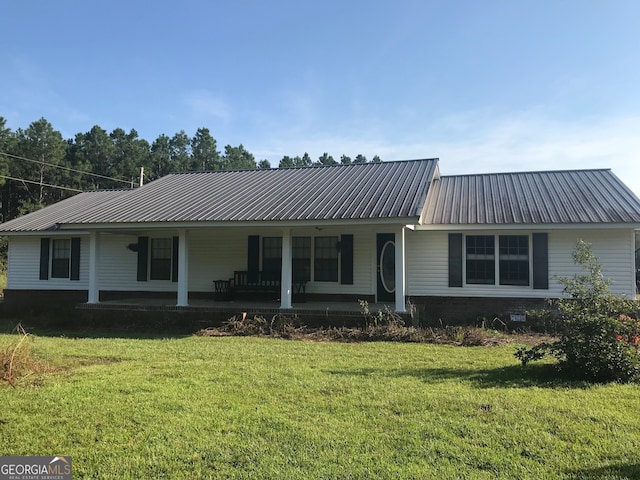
(183, 268)
(94, 266)
(285, 286)
(400, 275)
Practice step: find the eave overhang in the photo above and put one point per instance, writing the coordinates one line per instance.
(528, 226)
(85, 228)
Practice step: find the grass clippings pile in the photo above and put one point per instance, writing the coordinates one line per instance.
(388, 327)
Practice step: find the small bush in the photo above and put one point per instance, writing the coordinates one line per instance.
(598, 335)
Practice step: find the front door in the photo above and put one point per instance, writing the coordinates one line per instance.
(386, 267)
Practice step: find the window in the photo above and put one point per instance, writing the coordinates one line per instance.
(326, 259)
(481, 268)
(514, 260)
(521, 260)
(60, 258)
(301, 259)
(161, 249)
(271, 257)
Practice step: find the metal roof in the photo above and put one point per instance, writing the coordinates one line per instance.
(342, 192)
(49, 217)
(553, 197)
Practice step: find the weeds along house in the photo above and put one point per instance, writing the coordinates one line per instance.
(386, 232)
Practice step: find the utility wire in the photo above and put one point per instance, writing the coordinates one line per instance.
(39, 183)
(66, 168)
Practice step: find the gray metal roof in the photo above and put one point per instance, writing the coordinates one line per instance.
(342, 192)
(48, 218)
(573, 197)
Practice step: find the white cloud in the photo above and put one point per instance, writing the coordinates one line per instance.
(538, 142)
(479, 142)
(206, 105)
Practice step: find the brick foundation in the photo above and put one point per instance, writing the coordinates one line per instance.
(33, 302)
(471, 310)
(431, 311)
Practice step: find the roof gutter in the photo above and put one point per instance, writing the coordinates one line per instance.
(527, 226)
(87, 227)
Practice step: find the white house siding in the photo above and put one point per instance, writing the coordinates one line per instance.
(118, 266)
(427, 263)
(615, 250)
(363, 256)
(23, 269)
(214, 254)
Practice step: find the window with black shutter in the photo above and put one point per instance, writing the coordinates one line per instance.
(160, 258)
(60, 258)
(326, 259)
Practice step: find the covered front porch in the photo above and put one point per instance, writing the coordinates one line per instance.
(359, 262)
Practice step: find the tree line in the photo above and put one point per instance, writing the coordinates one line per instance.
(39, 167)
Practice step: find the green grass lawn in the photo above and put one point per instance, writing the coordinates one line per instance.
(236, 407)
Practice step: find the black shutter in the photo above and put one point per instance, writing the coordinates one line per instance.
(44, 258)
(174, 260)
(540, 261)
(346, 259)
(143, 258)
(455, 260)
(253, 254)
(75, 258)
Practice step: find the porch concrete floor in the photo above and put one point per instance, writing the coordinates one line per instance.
(235, 306)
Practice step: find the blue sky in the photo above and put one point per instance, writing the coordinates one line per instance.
(484, 85)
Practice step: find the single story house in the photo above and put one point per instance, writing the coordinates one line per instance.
(385, 232)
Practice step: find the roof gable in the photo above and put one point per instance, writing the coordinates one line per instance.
(554, 197)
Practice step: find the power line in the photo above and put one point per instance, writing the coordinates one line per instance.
(40, 183)
(66, 168)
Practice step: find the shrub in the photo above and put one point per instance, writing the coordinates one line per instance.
(598, 334)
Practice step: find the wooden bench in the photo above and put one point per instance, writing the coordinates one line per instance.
(244, 281)
(254, 282)
(247, 282)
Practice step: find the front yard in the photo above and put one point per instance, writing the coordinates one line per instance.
(239, 407)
